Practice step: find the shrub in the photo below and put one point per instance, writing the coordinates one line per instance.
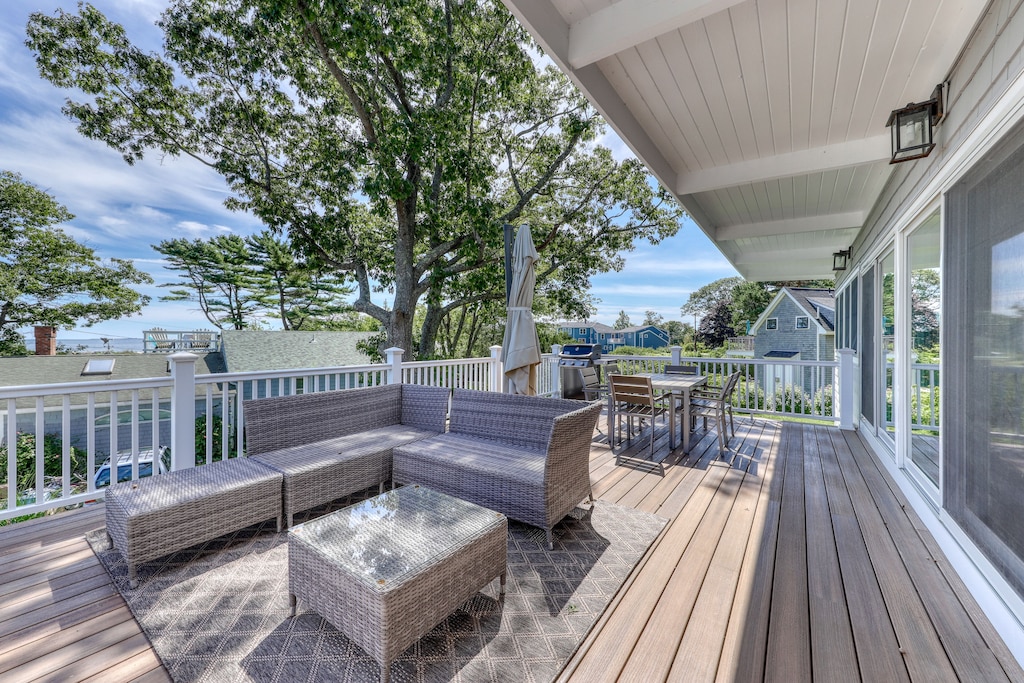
(52, 461)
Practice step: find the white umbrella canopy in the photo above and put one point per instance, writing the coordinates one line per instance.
(520, 351)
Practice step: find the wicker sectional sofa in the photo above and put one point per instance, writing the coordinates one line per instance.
(157, 516)
(524, 456)
(329, 444)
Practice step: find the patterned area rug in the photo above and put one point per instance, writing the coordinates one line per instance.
(219, 612)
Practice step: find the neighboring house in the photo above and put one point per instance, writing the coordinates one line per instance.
(642, 336)
(93, 367)
(264, 350)
(799, 324)
(240, 351)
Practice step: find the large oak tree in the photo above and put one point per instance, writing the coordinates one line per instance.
(391, 140)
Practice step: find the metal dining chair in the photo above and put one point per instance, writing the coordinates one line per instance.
(715, 404)
(680, 369)
(634, 397)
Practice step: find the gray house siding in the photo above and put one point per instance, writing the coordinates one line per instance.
(991, 62)
(809, 344)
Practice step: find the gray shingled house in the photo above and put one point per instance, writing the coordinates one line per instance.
(799, 324)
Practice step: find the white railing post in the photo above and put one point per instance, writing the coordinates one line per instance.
(677, 352)
(556, 372)
(497, 373)
(394, 356)
(183, 411)
(846, 382)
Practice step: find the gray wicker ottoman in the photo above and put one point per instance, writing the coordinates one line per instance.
(386, 571)
(156, 516)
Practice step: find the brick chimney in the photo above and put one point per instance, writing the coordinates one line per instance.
(46, 340)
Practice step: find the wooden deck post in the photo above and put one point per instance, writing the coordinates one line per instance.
(183, 410)
(497, 371)
(394, 359)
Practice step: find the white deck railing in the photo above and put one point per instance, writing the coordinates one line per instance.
(55, 437)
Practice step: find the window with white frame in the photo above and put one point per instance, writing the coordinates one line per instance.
(771, 324)
(803, 322)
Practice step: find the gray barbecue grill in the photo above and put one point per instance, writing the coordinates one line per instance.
(573, 357)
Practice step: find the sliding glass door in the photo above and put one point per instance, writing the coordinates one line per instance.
(886, 357)
(923, 298)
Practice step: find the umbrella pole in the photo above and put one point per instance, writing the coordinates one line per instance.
(508, 261)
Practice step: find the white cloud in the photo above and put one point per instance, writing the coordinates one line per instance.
(197, 229)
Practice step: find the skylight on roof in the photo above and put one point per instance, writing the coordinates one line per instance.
(99, 366)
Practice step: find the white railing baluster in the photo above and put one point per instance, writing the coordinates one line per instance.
(40, 450)
(65, 446)
(12, 454)
(135, 436)
(90, 440)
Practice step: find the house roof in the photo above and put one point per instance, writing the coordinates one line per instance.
(818, 304)
(254, 350)
(607, 329)
(782, 354)
(597, 327)
(29, 370)
(765, 119)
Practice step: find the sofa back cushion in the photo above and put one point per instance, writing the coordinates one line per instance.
(281, 421)
(425, 407)
(520, 420)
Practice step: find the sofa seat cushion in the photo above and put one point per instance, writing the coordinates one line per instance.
(155, 516)
(506, 478)
(323, 471)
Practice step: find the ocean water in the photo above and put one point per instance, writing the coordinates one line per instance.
(91, 345)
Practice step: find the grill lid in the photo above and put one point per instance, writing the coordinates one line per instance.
(581, 351)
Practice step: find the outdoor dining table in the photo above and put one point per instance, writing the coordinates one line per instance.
(677, 384)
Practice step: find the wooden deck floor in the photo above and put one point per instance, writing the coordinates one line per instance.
(793, 559)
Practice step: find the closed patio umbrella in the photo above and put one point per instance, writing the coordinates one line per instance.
(520, 351)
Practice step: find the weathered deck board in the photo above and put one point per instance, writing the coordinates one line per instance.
(794, 557)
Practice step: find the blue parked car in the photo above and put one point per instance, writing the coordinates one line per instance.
(124, 466)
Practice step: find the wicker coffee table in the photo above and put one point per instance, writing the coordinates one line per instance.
(386, 571)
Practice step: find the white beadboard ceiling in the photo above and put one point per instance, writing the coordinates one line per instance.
(766, 118)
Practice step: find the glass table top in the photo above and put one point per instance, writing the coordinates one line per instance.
(384, 538)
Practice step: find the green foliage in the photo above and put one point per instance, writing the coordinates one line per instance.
(677, 332)
(789, 398)
(638, 351)
(391, 141)
(622, 322)
(654, 319)
(237, 281)
(217, 442)
(12, 343)
(46, 277)
(25, 453)
(703, 301)
(716, 325)
(749, 299)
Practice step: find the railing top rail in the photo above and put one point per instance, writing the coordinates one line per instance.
(33, 390)
(218, 377)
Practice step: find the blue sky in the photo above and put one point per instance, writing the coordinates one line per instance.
(121, 211)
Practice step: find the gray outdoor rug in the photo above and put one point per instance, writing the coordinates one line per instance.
(219, 612)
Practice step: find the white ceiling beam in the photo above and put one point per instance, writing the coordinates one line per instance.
(804, 269)
(630, 22)
(804, 162)
(832, 221)
(820, 251)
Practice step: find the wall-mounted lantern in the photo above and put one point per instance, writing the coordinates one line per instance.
(841, 258)
(912, 127)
